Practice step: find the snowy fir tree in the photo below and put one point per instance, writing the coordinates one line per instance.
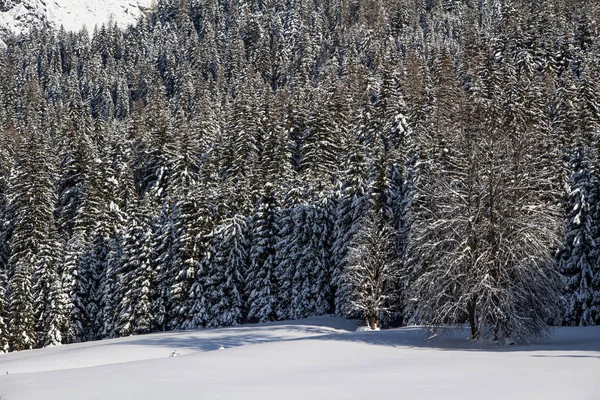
(579, 253)
(261, 284)
(226, 272)
(50, 313)
(135, 286)
(33, 250)
(350, 208)
(310, 280)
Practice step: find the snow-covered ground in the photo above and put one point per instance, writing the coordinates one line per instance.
(72, 14)
(319, 358)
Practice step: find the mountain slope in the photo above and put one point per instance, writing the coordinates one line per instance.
(18, 16)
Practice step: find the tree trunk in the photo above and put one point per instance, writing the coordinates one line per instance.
(374, 321)
(471, 309)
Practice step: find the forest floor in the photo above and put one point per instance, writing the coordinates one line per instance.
(318, 358)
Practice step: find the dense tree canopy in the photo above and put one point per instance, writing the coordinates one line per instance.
(226, 161)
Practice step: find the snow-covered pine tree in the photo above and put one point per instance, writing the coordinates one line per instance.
(111, 289)
(6, 220)
(136, 276)
(578, 254)
(242, 133)
(261, 286)
(74, 247)
(286, 250)
(183, 166)
(350, 209)
(4, 334)
(96, 227)
(120, 196)
(193, 224)
(163, 245)
(323, 137)
(77, 153)
(400, 197)
(594, 309)
(50, 312)
(390, 198)
(157, 144)
(226, 271)
(311, 292)
(275, 158)
(33, 198)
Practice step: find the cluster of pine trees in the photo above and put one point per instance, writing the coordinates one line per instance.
(230, 161)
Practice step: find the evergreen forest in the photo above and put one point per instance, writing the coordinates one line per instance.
(230, 161)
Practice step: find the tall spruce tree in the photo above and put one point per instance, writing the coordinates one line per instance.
(32, 196)
(136, 276)
(224, 278)
(579, 254)
(50, 305)
(261, 284)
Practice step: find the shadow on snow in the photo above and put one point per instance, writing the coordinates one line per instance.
(563, 339)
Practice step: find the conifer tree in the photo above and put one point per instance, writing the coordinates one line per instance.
(322, 141)
(32, 197)
(226, 271)
(136, 277)
(578, 259)
(350, 209)
(112, 293)
(311, 279)
(191, 227)
(261, 286)
(163, 245)
(88, 257)
(50, 312)
(5, 234)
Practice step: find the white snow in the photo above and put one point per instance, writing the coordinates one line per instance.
(319, 358)
(366, 329)
(20, 17)
(73, 14)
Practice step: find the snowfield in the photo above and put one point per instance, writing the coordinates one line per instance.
(72, 14)
(318, 358)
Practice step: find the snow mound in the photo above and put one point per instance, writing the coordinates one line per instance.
(278, 360)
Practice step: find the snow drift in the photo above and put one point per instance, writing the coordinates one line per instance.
(320, 358)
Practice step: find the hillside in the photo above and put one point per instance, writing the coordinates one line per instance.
(18, 16)
(319, 358)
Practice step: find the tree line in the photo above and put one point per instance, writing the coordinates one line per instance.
(232, 161)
